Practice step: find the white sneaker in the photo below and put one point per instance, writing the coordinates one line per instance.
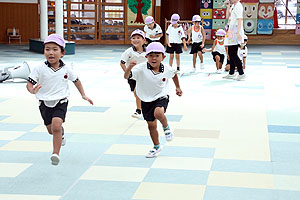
(201, 65)
(64, 140)
(229, 76)
(54, 159)
(136, 115)
(193, 70)
(153, 152)
(240, 77)
(169, 135)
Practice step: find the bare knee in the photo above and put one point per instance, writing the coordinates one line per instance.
(159, 113)
(218, 58)
(56, 129)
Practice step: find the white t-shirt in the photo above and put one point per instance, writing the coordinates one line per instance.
(132, 54)
(149, 85)
(175, 34)
(155, 31)
(236, 12)
(54, 82)
(197, 35)
(219, 48)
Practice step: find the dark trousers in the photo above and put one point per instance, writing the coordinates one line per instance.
(235, 60)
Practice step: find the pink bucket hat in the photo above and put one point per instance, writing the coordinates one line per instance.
(220, 32)
(138, 32)
(175, 18)
(196, 18)
(149, 20)
(57, 39)
(156, 47)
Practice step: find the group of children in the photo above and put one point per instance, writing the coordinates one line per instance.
(142, 64)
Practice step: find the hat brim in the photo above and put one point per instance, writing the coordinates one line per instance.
(174, 22)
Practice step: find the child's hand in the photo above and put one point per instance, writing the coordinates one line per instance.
(189, 42)
(204, 50)
(132, 63)
(152, 36)
(228, 57)
(202, 46)
(178, 91)
(185, 48)
(36, 88)
(88, 99)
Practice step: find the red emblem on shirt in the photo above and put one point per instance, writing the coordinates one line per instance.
(66, 76)
(164, 79)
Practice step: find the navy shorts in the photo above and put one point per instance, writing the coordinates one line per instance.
(196, 47)
(132, 84)
(222, 56)
(177, 48)
(149, 107)
(60, 110)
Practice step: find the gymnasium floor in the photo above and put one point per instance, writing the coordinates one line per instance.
(233, 140)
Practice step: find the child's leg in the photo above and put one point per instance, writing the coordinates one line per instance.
(200, 56)
(138, 101)
(159, 113)
(171, 59)
(218, 62)
(177, 59)
(56, 130)
(194, 59)
(152, 126)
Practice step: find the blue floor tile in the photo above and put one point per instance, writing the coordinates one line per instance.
(134, 139)
(17, 127)
(286, 168)
(195, 152)
(125, 161)
(284, 129)
(287, 195)
(2, 117)
(173, 176)
(87, 109)
(284, 137)
(285, 151)
(92, 138)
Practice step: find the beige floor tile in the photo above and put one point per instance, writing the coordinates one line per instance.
(10, 135)
(244, 180)
(182, 163)
(164, 191)
(284, 182)
(34, 146)
(12, 169)
(193, 142)
(28, 197)
(196, 133)
(128, 149)
(110, 173)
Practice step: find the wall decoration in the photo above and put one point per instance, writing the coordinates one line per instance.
(206, 13)
(250, 26)
(207, 34)
(213, 34)
(298, 19)
(266, 1)
(218, 23)
(138, 10)
(266, 11)
(249, 1)
(298, 29)
(250, 10)
(206, 4)
(207, 24)
(219, 14)
(298, 8)
(265, 26)
(219, 4)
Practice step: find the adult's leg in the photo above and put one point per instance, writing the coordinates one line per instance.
(235, 60)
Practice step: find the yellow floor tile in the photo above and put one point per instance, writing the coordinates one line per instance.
(12, 169)
(182, 163)
(35, 146)
(283, 182)
(244, 180)
(193, 142)
(28, 197)
(164, 191)
(128, 149)
(109, 173)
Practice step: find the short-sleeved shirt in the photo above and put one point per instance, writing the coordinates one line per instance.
(132, 54)
(175, 34)
(150, 85)
(236, 13)
(155, 31)
(54, 82)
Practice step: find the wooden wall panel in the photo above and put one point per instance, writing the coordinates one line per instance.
(23, 16)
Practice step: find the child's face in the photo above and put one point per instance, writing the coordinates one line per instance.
(220, 37)
(53, 53)
(197, 23)
(151, 26)
(154, 59)
(137, 40)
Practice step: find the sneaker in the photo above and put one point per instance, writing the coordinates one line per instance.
(229, 76)
(201, 65)
(193, 70)
(169, 135)
(136, 115)
(240, 77)
(178, 68)
(64, 140)
(153, 152)
(54, 159)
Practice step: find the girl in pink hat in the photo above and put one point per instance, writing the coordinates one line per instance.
(175, 37)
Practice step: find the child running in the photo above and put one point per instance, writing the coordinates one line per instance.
(198, 41)
(175, 37)
(135, 53)
(152, 85)
(218, 50)
(49, 82)
(153, 30)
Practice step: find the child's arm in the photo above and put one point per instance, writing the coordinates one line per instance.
(184, 44)
(189, 35)
(156, 36)
(167, 40)
(211, 49)
(122, 64)
(203, 34)
(129, 68)
(227, 3)
(81, 91)
(226, 48)
(244, 62)
(33, 89)
(176, 82)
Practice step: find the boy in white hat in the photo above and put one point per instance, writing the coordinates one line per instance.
(49, 83)
(175, 37)
(153, 30)
(197, 39)
(152, 87)
(135, 53)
